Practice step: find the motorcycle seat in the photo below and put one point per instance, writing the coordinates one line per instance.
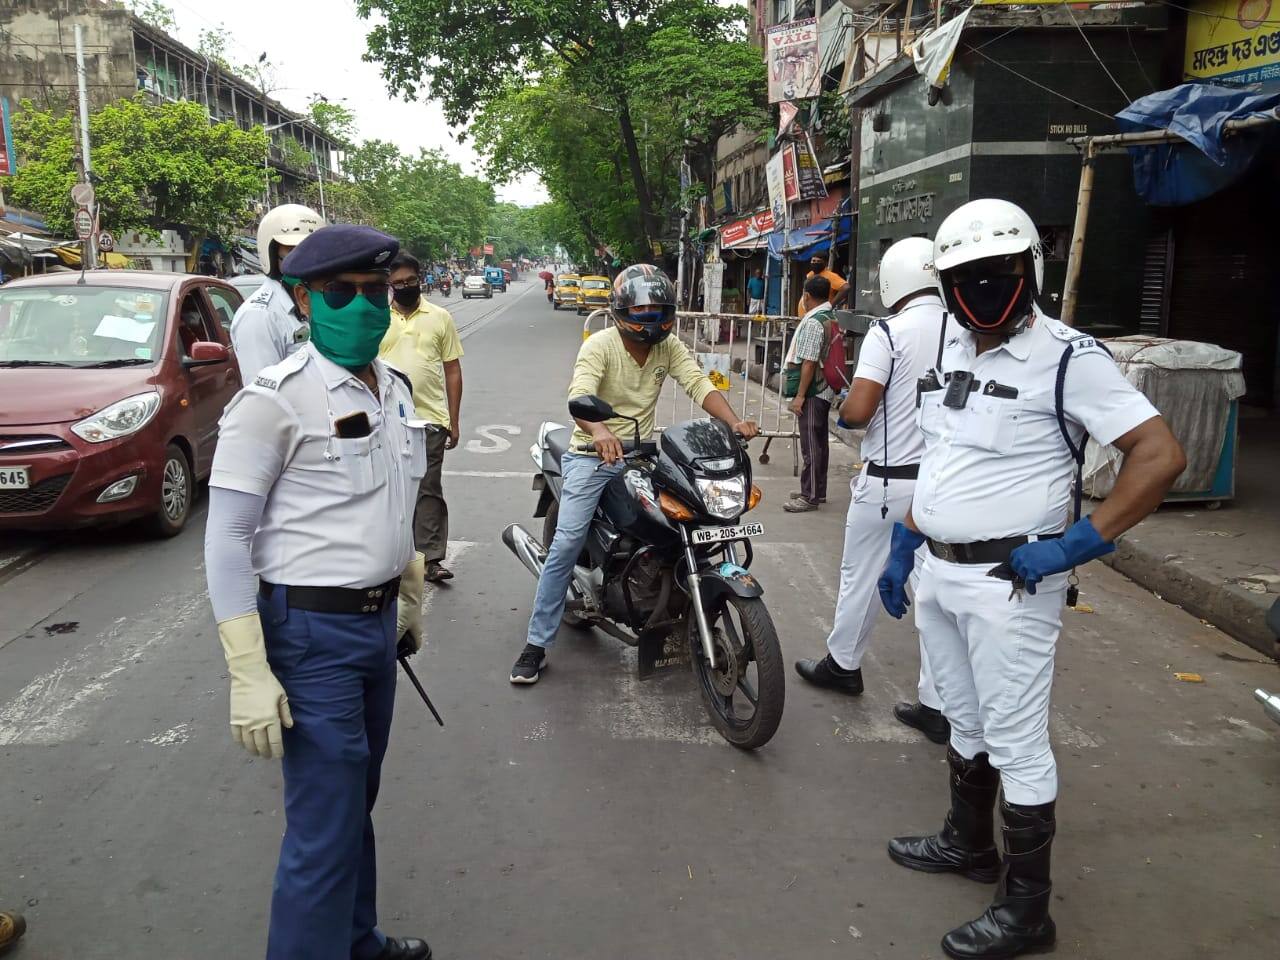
(558, 443)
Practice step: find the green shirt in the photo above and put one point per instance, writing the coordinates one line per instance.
(604, 368)
(419, 346)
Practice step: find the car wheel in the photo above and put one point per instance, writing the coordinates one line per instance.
(177, 490)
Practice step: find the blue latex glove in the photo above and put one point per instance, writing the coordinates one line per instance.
(839, 403)
(1080, 544)
(902, 559)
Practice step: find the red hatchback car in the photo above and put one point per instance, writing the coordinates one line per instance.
(110, 396)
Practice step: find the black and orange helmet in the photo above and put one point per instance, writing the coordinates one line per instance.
(643, 285)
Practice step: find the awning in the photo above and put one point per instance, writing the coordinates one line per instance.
(804, 242)
(1204, 160)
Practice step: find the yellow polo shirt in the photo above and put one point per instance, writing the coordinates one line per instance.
(419, 345)
(604, 368)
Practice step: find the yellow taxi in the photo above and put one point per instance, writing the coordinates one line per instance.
(566, 292)
(593, 293)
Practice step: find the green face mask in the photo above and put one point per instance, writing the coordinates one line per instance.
(349, 337)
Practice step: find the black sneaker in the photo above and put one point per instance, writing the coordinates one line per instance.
(529, 664)
(827, 673)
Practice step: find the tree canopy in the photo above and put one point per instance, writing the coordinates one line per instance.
(157, 165)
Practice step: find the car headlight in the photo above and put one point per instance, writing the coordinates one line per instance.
(118, 420)
(724, 497)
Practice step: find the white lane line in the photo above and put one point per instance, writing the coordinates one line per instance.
(58, 705)
(455, 551)
(648, 710)
(173, 737)
(490, 474)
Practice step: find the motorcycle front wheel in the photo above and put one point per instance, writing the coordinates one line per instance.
(745, 692)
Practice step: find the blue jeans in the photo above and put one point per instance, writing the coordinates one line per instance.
(339, 671)
(583, 487)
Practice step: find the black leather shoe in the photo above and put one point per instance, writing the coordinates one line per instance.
(927, 720)
(1018, 920)
(407, 948)
(827, 673)
(966, 843)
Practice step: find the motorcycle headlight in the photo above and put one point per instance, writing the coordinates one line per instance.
(118, 420)
(724, 497)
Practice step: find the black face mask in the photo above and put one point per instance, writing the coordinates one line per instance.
(990, 304)
(407, 296)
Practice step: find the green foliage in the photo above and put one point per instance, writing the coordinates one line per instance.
(335, 120)
(154, 13)
(295, 155)
(213, 43)
(158, 165)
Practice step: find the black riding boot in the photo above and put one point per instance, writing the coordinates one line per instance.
(1018, 919)
(965, 844)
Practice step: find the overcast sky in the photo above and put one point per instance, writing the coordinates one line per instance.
(316, 46)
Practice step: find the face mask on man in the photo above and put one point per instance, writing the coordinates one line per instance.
(350, 333)
(407, 296)
(989, 304)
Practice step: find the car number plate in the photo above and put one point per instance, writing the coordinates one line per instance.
(14, 478)
(720, 534)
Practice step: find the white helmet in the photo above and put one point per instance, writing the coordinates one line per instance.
(286, 224)
(987, 228)
(907, 268)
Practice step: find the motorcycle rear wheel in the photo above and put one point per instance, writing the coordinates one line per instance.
(750, 671)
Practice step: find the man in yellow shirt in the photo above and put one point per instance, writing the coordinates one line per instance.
(423, 343)
(626, 365)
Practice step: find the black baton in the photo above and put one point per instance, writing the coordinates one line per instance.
(413, 678)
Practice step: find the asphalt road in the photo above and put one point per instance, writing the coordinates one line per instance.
(592, 816)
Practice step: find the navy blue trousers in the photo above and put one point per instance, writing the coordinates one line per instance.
(339, 672)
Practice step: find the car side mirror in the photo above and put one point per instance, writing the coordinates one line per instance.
(205, 353)
(590, 409)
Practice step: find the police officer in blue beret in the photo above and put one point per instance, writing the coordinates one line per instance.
(314, 583)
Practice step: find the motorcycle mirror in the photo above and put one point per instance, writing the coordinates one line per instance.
(590, 409)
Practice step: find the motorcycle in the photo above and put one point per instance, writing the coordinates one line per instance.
(666, 565)
(446, 286)
(1271, 701)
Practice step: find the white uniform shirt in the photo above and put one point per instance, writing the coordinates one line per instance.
(339, 512)
(915, 334)
(1000, 467)
(266, 329)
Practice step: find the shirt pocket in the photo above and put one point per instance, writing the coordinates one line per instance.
(930, 413)
(358, 459)
(414, 449)
(991, 423)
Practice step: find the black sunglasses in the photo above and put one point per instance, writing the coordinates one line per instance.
(338, 293)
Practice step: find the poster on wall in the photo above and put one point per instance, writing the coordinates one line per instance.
(773, 173)
(8, 162)
(790, 186)
(809, 180)
(793, 55)
(1233, 40)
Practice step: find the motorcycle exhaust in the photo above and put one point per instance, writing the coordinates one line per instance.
(527, 549)
(1270, 703)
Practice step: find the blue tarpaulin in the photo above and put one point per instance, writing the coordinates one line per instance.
(803, 242)
(1206, 161)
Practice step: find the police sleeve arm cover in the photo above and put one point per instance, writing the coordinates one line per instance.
(409, 604)
(685, 370)
(902, 559)
(258, 705)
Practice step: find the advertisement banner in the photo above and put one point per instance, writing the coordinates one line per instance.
(777, 188)
(792, 55)
(786, 115)
(8, 161)
(1233, 41)
(808, 171)
(749, 228)
(488, 249)
(790, 186)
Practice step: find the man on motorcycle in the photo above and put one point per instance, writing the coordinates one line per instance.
(627, 366)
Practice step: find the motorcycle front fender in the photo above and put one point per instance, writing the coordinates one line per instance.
(728, 579)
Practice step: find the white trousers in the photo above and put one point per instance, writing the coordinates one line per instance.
(866, 550)
(992, 657)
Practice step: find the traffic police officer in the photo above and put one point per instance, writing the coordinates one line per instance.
(268, 327)
(895, 354)
(1004, 415)
(312, 491)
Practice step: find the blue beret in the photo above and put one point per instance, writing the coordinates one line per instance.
(340, 248)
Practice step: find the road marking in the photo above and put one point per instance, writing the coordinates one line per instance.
(492, 432)
(173, 737)
(666, 708)
(490, 474)
(455, 551)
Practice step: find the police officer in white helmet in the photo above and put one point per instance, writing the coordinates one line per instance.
(268, 327)
(895, 354)
(1005, 415)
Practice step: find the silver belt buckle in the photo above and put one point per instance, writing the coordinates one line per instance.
(944, 551)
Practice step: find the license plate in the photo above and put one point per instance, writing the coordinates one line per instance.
(14, 478)
(704, 535)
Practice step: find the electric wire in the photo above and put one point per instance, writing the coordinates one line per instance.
(1083, 36)
(1037, 83)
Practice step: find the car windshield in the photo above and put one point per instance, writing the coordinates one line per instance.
(568, 283)
(80, 326)
(595, 285)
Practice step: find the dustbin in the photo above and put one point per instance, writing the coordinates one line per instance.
(1197, 389)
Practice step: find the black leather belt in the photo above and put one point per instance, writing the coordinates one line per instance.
(337, 599)
(982, 551)
(908, 471)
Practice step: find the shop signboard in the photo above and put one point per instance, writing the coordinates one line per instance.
(793, 55)
(1232, 40)
(748, 228)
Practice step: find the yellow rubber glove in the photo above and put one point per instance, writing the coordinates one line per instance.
(258, 702)
(409, 602)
